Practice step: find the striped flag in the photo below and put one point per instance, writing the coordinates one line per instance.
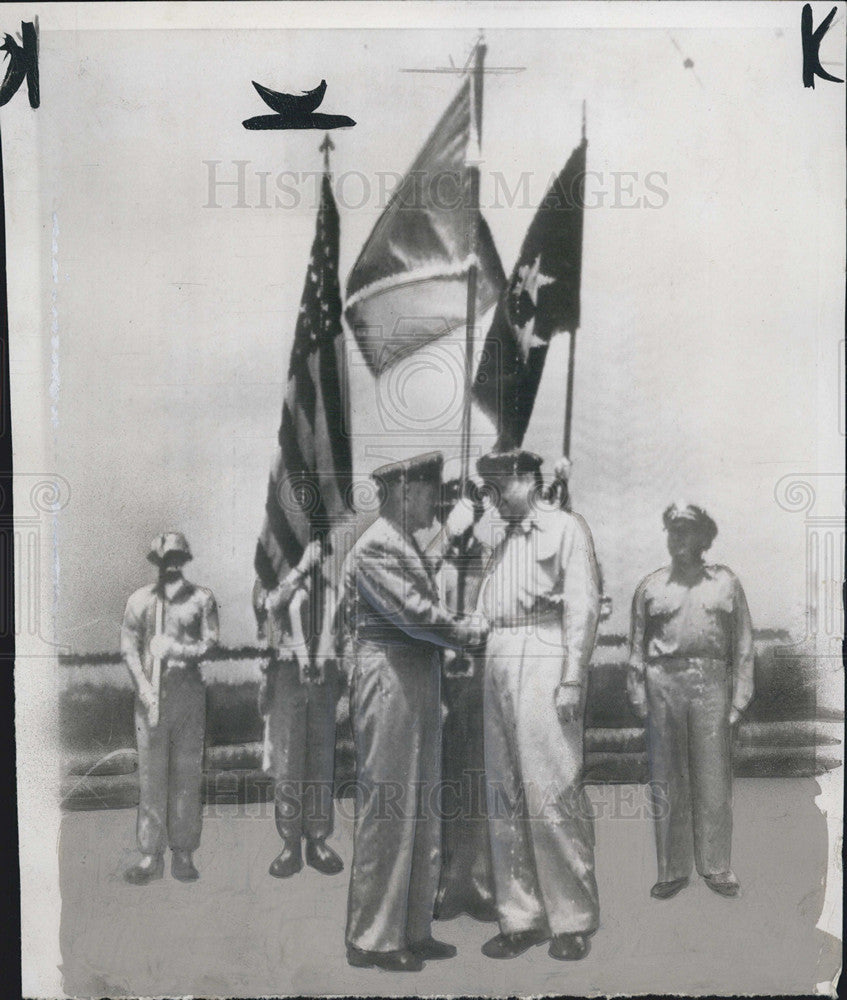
(308, 490)
(409, 285)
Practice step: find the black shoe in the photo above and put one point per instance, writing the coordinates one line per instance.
(664, 890)
(725, 884)
(288, 862)
(390, 961)
(182, 867)
(512, 945)
(148, 870)
(323, 858)
(432, 950)
(569, 947)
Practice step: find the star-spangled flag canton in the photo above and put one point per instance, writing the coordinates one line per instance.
(540, 300)
(308, 489)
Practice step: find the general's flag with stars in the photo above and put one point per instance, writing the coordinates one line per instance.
(308, 490)
(541, 299)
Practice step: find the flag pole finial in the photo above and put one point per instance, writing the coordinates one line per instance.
(326, 147)
(583, 118)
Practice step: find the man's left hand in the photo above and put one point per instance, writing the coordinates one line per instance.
(568, 701)
(734, 716)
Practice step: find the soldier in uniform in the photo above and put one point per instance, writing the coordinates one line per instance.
(398, 627)
(540, 594)
(297, 698)
(169, 626)
(691, 677)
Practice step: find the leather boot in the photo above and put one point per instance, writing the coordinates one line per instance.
(182, 867)
(322, 858)
(151, 867)
(288, 862)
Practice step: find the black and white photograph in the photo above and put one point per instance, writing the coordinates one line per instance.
(426, 503)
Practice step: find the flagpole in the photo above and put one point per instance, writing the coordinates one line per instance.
(470, 320)
(566, 445)
(473, 227)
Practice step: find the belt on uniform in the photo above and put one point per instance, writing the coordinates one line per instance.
(685, 662)
(551, 617)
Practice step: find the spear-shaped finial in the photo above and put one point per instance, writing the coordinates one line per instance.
(583, 119)
(326, 147)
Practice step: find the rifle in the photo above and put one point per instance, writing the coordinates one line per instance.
(156, 673)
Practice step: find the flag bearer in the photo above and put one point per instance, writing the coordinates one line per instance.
(398, 627)
(691, 677)
(298, 697)
(169, 627)
(541, 596)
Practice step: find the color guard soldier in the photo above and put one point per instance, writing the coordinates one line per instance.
(398, 628)
(168, 628)
(691, 677)
(541, 596)
(298, 697)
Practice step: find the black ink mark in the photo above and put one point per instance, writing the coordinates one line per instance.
(295, 111)
(23, 63)
(811, 46)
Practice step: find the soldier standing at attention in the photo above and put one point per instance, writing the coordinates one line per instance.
(297, 699)
(168, 628)
(691, 677)
(398, 627)
(541, 596)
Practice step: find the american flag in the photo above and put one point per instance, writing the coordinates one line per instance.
(308, 489)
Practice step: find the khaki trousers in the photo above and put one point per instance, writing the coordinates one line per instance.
(395, 712)
(689, 744)
(170, 765)
(299, 751)
(541, 827)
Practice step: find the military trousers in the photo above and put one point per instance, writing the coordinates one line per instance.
(689, 745)
(170, 764)
(395, 711)
(299, 750)
(540, 822)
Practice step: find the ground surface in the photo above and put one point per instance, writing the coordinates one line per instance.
(238, 932)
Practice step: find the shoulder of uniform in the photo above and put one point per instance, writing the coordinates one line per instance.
(207, 594)
(657, 577)
(140, 597)
(719, 570)
(567, 521)
(378, 538)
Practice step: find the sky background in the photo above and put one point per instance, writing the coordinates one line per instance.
(707, 359)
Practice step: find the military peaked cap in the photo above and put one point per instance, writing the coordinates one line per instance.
(508, 463)
(679, 512)
(421, 467)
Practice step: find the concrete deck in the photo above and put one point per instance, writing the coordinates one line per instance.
(238, 932)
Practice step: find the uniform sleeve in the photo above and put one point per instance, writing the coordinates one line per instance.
(581, 601)
(395, 587)
(743, 649)
(635, 683)
(131, 642)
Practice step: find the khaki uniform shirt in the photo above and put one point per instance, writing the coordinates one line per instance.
(705, 619)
